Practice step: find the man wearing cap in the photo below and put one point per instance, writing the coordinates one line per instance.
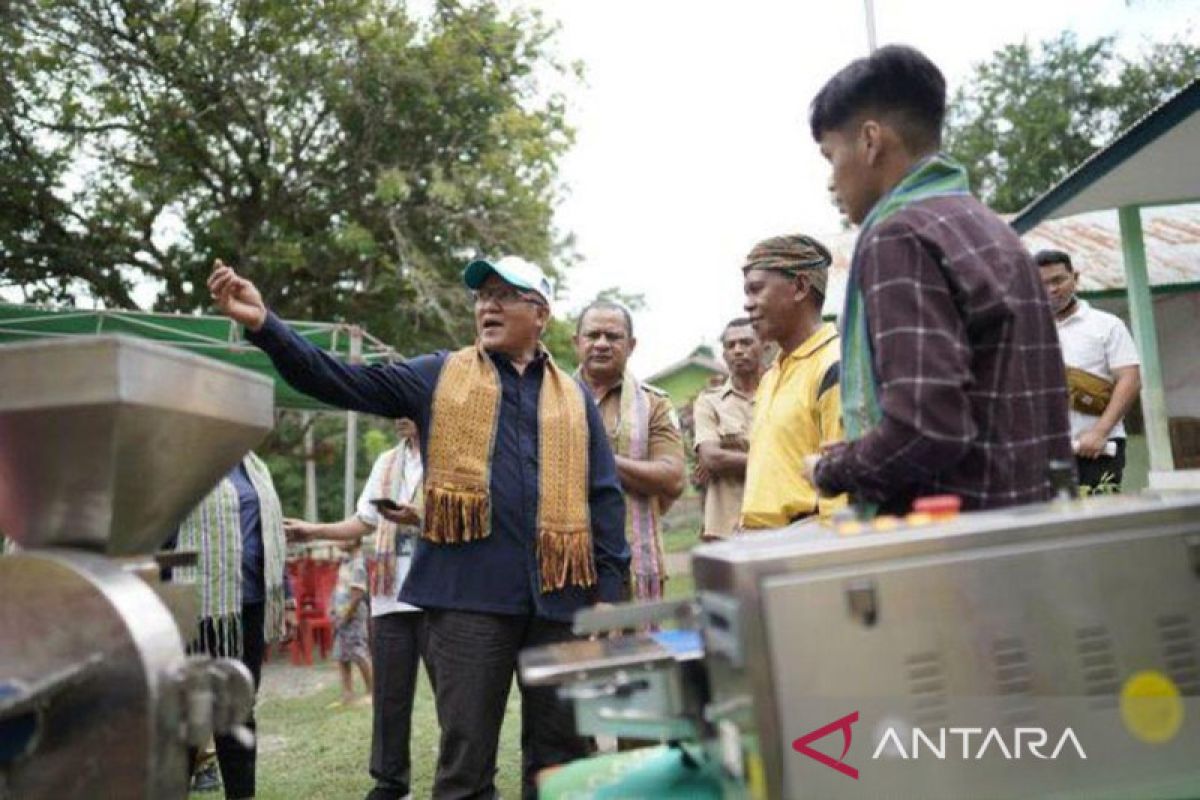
(797, 408)
(523, 515)
(644, 433)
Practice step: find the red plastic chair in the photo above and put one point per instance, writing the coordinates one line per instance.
(319, 579)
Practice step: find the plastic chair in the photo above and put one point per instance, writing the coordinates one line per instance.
(315, 628)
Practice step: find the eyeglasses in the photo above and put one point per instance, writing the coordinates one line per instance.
(505, 296)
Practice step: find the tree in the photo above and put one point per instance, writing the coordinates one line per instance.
(1030, 114)
(346, 154)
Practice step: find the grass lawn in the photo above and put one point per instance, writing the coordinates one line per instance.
(680, 540)
(308, 751)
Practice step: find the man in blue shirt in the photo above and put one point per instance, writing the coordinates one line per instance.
(511, 581)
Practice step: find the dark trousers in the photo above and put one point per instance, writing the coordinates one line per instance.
(472, 658)
(397, 642)
(237, 762)
(1103, 470)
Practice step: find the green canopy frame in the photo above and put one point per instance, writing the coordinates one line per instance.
(219, 338)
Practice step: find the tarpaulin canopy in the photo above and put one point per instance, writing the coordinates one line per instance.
(215, 337)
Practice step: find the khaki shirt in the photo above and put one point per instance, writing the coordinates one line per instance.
(722, 416)
(664, 434)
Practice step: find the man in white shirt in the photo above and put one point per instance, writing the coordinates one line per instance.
(397, 629)
(1103, 374)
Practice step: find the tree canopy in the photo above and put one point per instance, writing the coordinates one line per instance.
(345, 154)
(1031, 113)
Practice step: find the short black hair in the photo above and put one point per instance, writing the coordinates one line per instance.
(1044, 258)
(605, 305)
(740, 322)
(896, 82)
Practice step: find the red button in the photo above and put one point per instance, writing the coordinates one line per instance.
(939, 505)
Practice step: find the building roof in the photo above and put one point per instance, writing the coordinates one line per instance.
(1093, 240)
(1171, 233)
(1153, 162)
(700, 357)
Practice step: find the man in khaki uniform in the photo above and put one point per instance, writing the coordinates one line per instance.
(644, 433)
(722, 416)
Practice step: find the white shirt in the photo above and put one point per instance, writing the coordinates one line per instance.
(1098, 342)
(410, 483)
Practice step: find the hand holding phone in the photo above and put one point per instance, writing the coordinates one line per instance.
(395, 512)
(385, 502)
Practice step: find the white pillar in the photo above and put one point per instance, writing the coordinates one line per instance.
(310, 468)
(349, 493)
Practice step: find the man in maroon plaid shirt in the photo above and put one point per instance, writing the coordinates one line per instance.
(952, 379)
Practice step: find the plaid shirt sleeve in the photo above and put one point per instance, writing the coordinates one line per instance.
(922, 363)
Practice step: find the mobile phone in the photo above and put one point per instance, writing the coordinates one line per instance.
(385, 502)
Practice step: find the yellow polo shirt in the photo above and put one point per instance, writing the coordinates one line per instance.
(797, 408)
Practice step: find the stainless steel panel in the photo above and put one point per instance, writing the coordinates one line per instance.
(627, 686)
(1000, 607)
(108, 442)
(117, 732)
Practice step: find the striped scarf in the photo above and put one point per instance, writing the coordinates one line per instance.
(936, 176)
(383, 573)
(632, 440)
(462, 435)
(214, 530)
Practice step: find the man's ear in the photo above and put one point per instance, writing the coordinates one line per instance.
(543, 318)
(801, 286)
(870, 137)
(632, 344)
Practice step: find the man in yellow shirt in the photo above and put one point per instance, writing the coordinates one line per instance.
(797, 408)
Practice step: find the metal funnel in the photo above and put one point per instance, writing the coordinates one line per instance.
(107, 442)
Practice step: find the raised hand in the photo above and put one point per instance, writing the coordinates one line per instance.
(237, 297)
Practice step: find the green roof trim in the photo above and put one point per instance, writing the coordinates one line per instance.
(1156, 291)
(1162, 119)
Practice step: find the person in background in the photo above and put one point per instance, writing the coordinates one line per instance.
(349, 612)
(644, 433)
(397, 628)
(241, 587)
(796, 408)
(951, 375)
(722, 417)
(1103, 374)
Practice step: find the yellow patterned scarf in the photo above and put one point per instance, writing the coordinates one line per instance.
(466, 408)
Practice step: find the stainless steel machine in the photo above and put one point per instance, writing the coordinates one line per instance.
(1049, 650)
(106, 443)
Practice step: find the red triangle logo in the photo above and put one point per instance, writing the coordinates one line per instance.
(801, 745)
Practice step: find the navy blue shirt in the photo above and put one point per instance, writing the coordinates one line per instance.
(253, 585)
(498, 574)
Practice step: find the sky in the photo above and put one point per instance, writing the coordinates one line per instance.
(691, 129)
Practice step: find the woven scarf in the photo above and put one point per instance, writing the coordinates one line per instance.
(383, 574)
(632, 440)
(214, 530)
(936, 176)
(466, 410)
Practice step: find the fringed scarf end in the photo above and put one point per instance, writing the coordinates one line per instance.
(456, 515)
(566, 559)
